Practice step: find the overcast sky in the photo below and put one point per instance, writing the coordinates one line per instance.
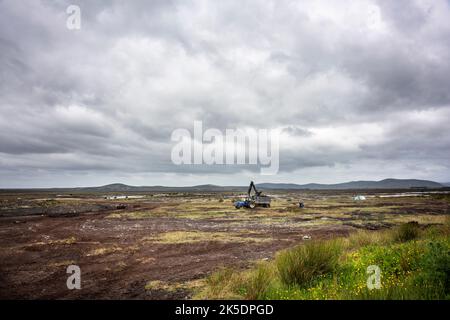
(360, 89)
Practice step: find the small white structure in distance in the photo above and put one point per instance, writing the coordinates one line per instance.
(359, 198)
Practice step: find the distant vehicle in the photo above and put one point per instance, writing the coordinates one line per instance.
(359, 198)
(253, 200)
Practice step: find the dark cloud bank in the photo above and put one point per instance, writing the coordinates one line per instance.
(359, 89)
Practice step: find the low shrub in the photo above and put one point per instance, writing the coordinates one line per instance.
(259, 282)
(299, 266)
(407, 232)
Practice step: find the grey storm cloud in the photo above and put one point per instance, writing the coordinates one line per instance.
(359, 89)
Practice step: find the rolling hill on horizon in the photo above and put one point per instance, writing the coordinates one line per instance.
(382, 184)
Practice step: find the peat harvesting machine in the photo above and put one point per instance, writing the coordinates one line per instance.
(257, 199)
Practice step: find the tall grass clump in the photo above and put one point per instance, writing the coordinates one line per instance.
(259, 282)
(407, 232)
(222, 284)
(300, 265)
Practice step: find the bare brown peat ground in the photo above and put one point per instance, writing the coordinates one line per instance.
(163, 246)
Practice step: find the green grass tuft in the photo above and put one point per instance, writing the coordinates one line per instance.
(407, 232)
(298, 266)
(259, 282)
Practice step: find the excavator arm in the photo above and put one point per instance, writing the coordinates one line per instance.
(252, 186)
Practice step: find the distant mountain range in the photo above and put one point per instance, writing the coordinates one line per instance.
(383, 184)
(119, 187)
